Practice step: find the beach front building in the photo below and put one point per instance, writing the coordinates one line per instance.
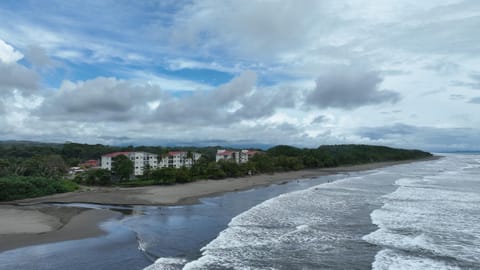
(140, 160)
(179, 159)
(245, 155)
(241, 156)
(227, 155)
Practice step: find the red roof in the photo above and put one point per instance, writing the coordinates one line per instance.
(225, 152)
(175, 153)
(90, 163)
(114, 154)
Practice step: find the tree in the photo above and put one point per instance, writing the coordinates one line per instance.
(4, 165)
(164, 176)
(230, 168)
(214, 171)
(263, 163)
(183, 175)
(147, 171)
(122, 167)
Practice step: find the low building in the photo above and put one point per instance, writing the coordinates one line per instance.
(91, 163)
(241, 156)
(75, 170)
(246, 155)
(140, 160)
(227, 155)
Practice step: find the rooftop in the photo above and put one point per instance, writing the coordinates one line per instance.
(114, 154)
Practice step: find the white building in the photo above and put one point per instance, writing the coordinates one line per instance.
(245, 155)
(237, 156)
(139, 159)
(179, 159)
(175, 159)
(223, 154)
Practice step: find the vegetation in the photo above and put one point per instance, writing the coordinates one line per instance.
(122, 167)
(94, 177)
(20, 187)
(33, 169)
(278, 159)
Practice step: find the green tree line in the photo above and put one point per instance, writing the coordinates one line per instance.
(50, 162)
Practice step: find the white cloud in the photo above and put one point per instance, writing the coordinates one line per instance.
(179, 63)
(168, 83)
(100, 99)
(8, 54)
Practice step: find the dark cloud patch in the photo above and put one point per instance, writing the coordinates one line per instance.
(99, 99)
(391, 112)
(264, 102)
(16, 76)
(319, 119)
(287, 128)
(475, 100)
(456, 97)
(38, 57)
(349, 88)
(394, 72)
(443, 67)
(474, 82)
(429, 138)
(432, 92)
(386, 131)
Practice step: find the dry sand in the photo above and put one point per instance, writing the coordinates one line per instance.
(27, 222)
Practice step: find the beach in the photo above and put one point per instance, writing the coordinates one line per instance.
(40, 224)
(37, 221)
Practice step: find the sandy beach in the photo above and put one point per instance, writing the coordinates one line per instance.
(34, 221)
(39, 224)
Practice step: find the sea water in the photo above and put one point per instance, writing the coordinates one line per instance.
(423, 215)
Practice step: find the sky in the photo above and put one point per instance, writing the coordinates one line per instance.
(398, 73)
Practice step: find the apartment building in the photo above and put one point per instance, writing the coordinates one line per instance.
(179, 159)
(140, 161)
(241, 156)
(174, 159)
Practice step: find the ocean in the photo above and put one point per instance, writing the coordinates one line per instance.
(422, 215)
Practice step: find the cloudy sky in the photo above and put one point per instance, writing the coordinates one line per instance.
(399, 73)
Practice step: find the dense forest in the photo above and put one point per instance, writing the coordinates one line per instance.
(29, 169)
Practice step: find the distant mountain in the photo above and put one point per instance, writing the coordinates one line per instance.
(28, 143)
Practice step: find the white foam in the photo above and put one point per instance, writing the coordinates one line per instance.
(302, 227)
(436, 214)
(284, 221)
(167, 264)
(391, 260)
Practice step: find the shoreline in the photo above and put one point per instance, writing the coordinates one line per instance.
(55, 223)
(190, 193)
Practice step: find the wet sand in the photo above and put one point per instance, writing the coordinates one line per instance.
(31, 225)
